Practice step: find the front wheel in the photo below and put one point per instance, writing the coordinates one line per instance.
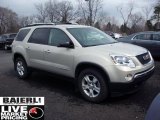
(21, 68)
(92, 85)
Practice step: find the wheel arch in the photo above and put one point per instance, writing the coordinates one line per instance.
(16, 55)
(85, 65)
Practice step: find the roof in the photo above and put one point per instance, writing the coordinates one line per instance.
(8, 34)
(148, 32)
(71, 26)
(38, 25)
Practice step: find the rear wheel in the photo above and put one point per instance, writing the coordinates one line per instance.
(92, 85)
(21, 68)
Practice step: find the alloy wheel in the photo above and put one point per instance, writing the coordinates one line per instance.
(91, 86)
(20, 68)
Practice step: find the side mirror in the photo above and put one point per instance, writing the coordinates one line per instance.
(66, 45)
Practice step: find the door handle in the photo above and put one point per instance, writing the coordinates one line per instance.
(28, 48)
(47, 51)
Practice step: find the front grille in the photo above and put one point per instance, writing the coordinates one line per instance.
(144, 58)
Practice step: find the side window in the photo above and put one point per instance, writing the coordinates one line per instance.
(147, 36)
(156, 37)
(22, 34)
(57, 37)
(143, 37)
(40, 36)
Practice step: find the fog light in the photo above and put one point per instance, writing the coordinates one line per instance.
(129, 77)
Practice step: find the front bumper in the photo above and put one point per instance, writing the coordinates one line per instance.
(131, 87)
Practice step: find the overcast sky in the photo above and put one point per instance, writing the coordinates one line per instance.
(27, 7)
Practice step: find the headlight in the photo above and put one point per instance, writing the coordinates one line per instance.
(123, 60)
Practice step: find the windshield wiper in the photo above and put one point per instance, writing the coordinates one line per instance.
(113, 42)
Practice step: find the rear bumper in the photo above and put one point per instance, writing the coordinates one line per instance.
(8, 43)
(2, 45)
(8, 46)
(118, 89)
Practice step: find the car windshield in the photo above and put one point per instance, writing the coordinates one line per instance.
(88, 36)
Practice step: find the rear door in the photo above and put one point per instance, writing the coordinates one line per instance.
(35, 47)
(156, 41)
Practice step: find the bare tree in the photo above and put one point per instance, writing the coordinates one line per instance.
(137, 23)
(126, 13)
(51, 7)
(65, 11)
(103, 17)
(90, 10)
(147, 9)
(8, 21)
(42, 13)
(26, 20)
(53, 11)
(136, 18)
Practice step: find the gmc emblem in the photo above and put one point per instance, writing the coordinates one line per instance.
(146, 57)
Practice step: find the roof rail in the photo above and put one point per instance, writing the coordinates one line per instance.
(56, 23)
(68, 23)
(37, 24)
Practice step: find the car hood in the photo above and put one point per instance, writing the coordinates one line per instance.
(120, 49)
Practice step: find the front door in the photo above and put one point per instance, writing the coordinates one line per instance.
(59, 59)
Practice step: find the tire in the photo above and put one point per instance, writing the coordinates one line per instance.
(21, 68)
(92, 85)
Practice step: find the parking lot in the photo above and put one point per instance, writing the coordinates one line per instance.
(63, 102)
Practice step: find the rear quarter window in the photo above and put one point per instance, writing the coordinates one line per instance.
(22, 34)
(40, 36)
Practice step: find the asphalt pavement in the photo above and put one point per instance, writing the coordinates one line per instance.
(62, 102)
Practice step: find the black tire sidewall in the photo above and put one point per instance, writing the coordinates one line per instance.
(25, 68)
(103, 86)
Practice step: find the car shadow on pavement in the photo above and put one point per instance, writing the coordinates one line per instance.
(62, 85)
(52, 82)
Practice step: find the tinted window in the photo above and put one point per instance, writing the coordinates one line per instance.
(57, 37)
(147, 36)
(143, 37)
(22, 34)
(4, 37)
(12, 36)
(156, 37)
(40, 36)
(139, 36)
